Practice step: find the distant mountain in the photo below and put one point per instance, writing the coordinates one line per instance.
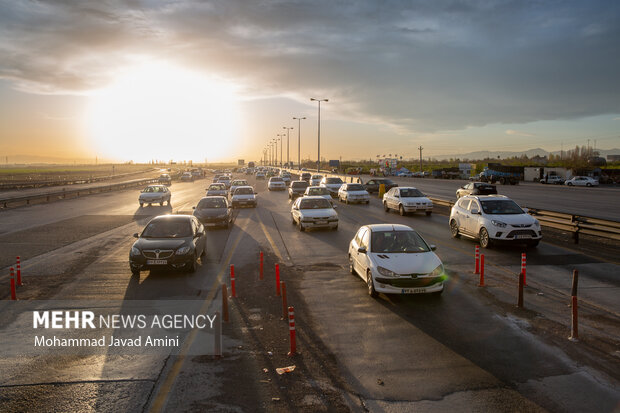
(506, 154)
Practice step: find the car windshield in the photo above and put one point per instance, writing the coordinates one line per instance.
(314, 204)
(164, 176)
(501, 207)
(298, 184)
(274, 179)
(333, 181)
(244, 191)
(398, 241)
(411, 193)
(239, 183)
(318, 191)
(356, 187)
(212, 203)
(152, 189)
(167, 228)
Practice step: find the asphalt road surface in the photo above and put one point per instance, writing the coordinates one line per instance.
(471, 349)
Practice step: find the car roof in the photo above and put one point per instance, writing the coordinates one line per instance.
(487, 197)
(404, 187)
(389, 227)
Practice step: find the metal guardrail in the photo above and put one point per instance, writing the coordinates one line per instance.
(576, 224)
(42, 183)
(64, 193)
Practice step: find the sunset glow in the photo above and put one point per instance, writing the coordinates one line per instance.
(159, 111)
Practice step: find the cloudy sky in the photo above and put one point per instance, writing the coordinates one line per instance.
(115, 79)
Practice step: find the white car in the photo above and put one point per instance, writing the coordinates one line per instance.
(395, 259)
(217, 189)
(353, 193)
(581, 181)
(153, 194)
(260, 175)
(493, 219)
(286, 177)
(333, 184)
(243, 196)
(276, 183)
(313, 212)
(315, 180)
(407, 199)
(319, 191)
(236, 184)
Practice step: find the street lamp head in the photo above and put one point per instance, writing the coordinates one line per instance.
(319, 100)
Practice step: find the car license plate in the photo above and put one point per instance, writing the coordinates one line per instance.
(412, 290)
(523, 236)
(321, 222)
(157, 262)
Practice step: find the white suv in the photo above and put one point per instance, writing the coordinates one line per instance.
(492, 219)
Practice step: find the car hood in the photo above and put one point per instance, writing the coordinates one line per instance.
(513, 219)
(416, 199)
(318, 213)
(210, 212)
(160, 243)
(407, 263)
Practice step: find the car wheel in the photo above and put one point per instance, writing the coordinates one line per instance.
(168, 202)
(204, 254)
(351, 268)
(428, 213)
(135, 272)
(570, 184)
(588, 184)
(386, 208)
(454, 229)
(371, 285)
(161, 203)
(485, 241)
(141, 204)
(150, 204)
(191, 267)
(301, 227)
(401, 210)
(335, 228)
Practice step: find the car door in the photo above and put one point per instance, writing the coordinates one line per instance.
(394, 198)
(462, 214)
(364, 258)
(295, 210)
(370, 185)
(473, 221)
(355, 254)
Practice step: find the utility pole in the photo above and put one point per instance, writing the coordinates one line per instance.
(288, 159)
(420, 149)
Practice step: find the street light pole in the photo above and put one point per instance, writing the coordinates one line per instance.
(299, 142)
(288, 159)
(280, 136)
(318, 160)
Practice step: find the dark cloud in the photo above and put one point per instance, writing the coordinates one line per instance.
(421, 66)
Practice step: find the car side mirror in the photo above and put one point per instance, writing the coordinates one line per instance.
(475, 211)
(334, 206)
(396, 196)
(433, 247)
(526, 210)
(362, 250)
(136, 235)
(193, 207)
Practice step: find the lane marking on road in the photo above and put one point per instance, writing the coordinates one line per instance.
(164, 391)
(276, 250)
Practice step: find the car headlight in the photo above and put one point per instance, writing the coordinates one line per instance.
(536, 223)
(499, 224)
(182, 251)
(386, 272)
(135, 251)
(437, 271)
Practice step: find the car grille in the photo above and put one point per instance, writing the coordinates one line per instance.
(409, 282)
(521, 225)
(157, 254)
(529, 232)
(213, 219)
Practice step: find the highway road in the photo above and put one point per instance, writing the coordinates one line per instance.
(470, 349)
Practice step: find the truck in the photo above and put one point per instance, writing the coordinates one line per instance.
(251, 164)
(503, 174)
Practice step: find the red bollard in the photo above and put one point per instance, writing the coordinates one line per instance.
(284, 303)
(224, 302)
(481, 284)
(574, 330)
(261, 265)
(291, 328)
(277, 280)
(232, 281)
(13, 295)
(477, 260)
(523, 269)
(19, 273)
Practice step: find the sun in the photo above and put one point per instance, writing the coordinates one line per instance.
(157, 111)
